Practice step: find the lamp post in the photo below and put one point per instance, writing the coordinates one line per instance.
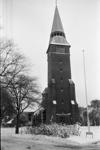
(88, 122)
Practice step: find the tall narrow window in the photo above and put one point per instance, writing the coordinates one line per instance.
(61, 70)
(62, 90)
(61, 79)
(62, 101)
(60, 62)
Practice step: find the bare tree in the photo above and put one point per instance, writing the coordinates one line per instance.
(11, 62)
(23, 88)
(25, 93)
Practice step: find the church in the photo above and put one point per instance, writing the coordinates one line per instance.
(58, 99)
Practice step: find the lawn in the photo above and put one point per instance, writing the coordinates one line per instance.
(10, 141)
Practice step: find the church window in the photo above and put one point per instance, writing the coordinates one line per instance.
(61, 90)
(53, 80)
(61, 62)
(61, 79)
(72, 102)
(62, 101)
(54, 102)
(61, 69)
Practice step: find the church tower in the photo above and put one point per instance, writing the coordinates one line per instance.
(59, 96)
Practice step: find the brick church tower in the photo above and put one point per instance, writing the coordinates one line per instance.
(59, 97)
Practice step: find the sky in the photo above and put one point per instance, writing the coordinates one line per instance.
(29, 23)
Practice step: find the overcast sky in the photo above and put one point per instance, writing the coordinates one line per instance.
(29, 23)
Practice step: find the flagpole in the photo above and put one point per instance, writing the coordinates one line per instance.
(88, 121)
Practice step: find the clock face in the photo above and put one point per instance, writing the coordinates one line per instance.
(60, 49)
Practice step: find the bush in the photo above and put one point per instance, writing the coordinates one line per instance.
(53, 130)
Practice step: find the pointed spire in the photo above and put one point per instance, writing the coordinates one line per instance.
(57, 24)
(57, 33)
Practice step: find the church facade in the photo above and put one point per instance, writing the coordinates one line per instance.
(59, 100)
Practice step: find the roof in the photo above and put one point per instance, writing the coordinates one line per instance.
(38, 110)
(57, 24)
(31, 109)
(57, 33)
(10, 121)
(60, 40)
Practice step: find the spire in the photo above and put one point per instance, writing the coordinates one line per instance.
(57, 24)
(57, 33)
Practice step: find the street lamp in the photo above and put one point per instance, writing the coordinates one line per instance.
(88, 121)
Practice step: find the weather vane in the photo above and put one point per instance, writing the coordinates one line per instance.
(56, 2)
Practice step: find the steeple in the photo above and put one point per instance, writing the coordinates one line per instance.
(57, 33)
(57, 24)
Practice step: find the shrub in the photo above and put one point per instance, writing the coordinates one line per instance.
(53, 130)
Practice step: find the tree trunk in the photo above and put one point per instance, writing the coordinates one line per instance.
(17, 124)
